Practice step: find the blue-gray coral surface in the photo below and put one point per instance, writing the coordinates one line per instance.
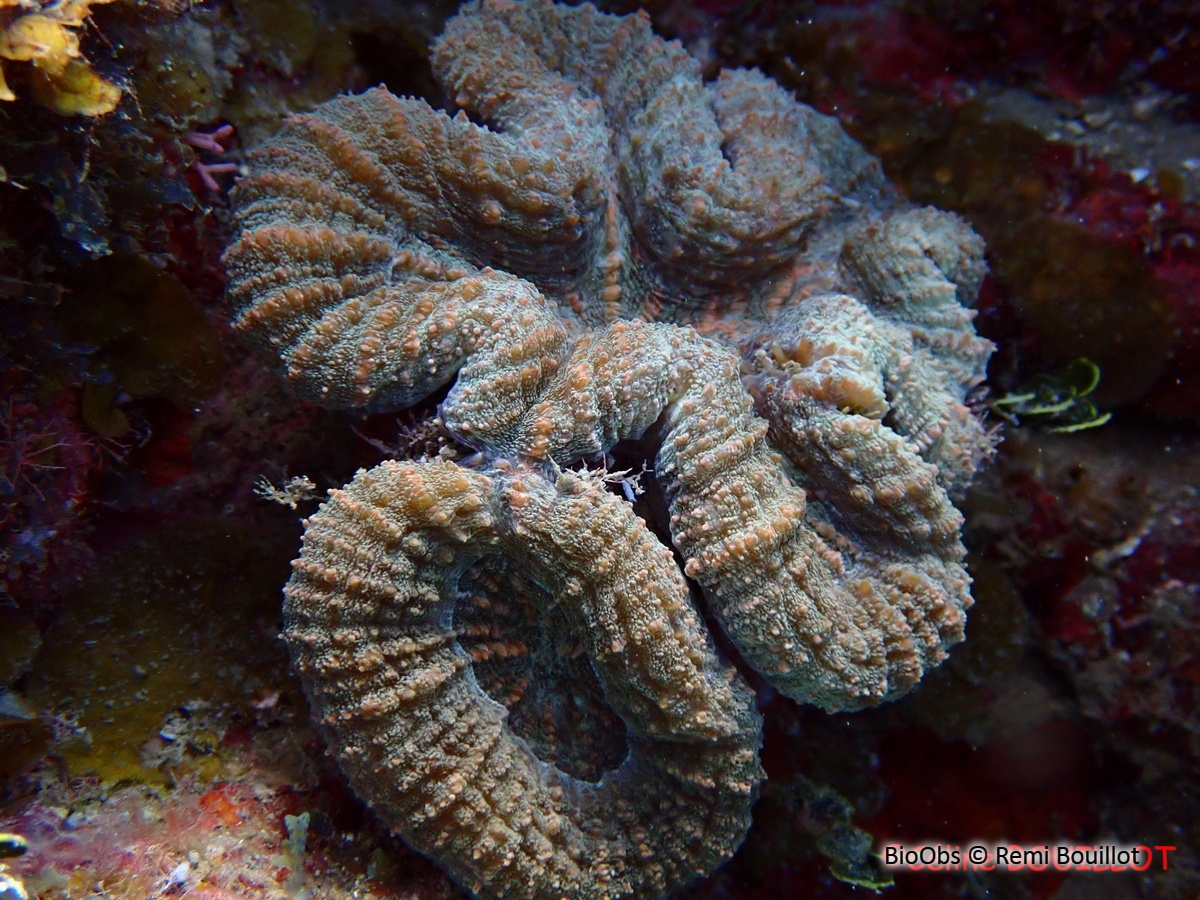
(622, 251)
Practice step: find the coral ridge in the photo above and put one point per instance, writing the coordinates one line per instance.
(366, 618)
(624, 251)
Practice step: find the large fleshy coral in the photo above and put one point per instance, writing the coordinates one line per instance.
(367, 617)
(624, 189)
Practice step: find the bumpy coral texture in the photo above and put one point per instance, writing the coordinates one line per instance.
(625, 252)
(368, 616)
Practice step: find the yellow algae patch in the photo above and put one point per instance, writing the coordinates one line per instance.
(44, 35)
(180, 615)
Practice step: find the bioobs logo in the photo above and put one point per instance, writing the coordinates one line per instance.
(931, 857)
(934, 856)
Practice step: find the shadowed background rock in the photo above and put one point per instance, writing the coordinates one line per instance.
(388, 250)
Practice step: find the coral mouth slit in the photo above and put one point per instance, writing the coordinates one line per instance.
(525, 656)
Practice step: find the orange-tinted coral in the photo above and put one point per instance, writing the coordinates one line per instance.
(368, 621)
(623, 188)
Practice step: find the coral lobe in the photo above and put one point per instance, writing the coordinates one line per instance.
(804, 385)
(366, 618)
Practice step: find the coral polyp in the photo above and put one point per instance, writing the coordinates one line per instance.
(625, 252)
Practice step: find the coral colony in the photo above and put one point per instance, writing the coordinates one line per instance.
(624, 251)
